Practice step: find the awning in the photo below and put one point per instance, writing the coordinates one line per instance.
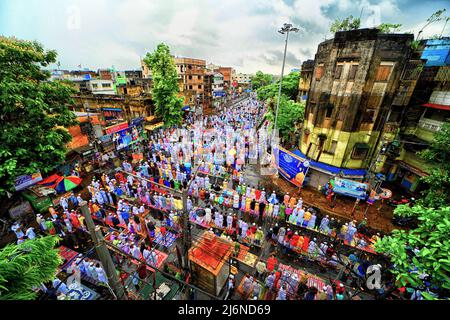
(112, 109)
(154, 126)
(436, 106)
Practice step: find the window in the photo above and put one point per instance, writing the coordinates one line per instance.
(341, 114)
(189, 67)
(333, 147)
(360, 151)
(338, 72)
(383, 73)
(368, 116)
(329, 111)
(190, 77)
(352, 73)
(106, 85)
(319, 72)
(199, 86)
(190, 87)
(199, 77)
(94, 86)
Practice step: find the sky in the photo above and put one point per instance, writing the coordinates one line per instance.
(241, 34)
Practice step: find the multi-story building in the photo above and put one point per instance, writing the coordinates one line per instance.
(304, 83)
(191, 73)
(242, 79)
(208, 92)
(99, 86)
(226, 72)
(218, 92)
(349, 114)
(428, 110)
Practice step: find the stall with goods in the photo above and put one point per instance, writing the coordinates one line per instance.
(209, 260)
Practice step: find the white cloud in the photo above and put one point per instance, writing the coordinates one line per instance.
(242, 34)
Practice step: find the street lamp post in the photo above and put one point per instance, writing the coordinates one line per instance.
(287, 27)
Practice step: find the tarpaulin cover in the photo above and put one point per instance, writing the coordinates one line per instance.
(210, 251)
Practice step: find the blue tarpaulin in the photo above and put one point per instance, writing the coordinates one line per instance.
(332, 169)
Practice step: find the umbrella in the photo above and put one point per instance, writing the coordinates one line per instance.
(232, 152)
(67, 183)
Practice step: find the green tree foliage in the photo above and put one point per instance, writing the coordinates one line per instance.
(289, 87)
(389, 27)
(424, 250)
(438, 181)
(165, 85)
(27, 265)
(289, 113)
(33, 112)
(346, 24)
(261, 79)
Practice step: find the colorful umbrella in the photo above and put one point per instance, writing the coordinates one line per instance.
(67, 183)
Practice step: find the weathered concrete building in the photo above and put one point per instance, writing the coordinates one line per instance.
(427, 111)
(304, 83)
(191, 73)
(356, 80)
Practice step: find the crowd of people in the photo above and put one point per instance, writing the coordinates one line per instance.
(207, 156)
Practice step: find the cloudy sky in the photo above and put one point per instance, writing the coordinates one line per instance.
(238, 33)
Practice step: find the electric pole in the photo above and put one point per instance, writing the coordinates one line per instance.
(103, 254)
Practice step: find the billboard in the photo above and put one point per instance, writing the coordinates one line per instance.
(291, 167)
(350, 188)
(27, 180)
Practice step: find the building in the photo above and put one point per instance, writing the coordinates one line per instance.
(304, 83)
(356, 90)
(105, 74)
(191, 73)
(428, 110)
(208, 92)
(99, 86)
(242, 79)
(211, 67)
(226, 72)
(146, 72)
(218, 92)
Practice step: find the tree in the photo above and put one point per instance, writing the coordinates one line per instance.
(261, 79)
(438, 181)
(34, 112)
(421, 256)
(289, 113)
(389, 27)
(288, 88)
(165, 85)
(346, 24)
(27, 265)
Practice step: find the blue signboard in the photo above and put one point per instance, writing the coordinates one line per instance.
(350, 188)
(219, 94)
(291, 167)
(137, 121)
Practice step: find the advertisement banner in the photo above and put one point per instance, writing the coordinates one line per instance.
(117, 128)
(350, 188)
(291, 167)
(27, 180)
